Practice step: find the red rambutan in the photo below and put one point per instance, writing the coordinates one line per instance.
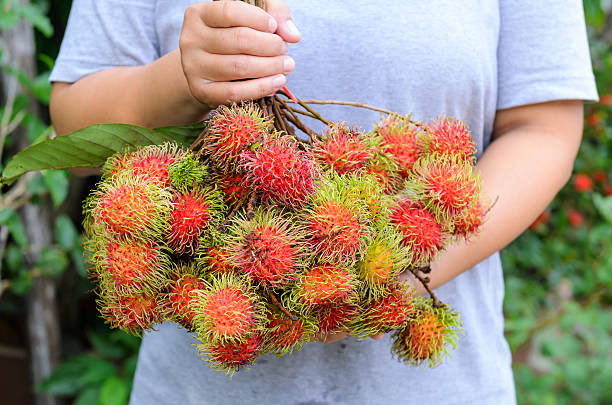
(131, 313)
(470, 220)
(283, 334)
(182, 296)
(216, 259)
(231, 132)
(192, 215)
(335, 318)
(280, 172)
(233, 188)
(388, 312)
(268, 247)
(399, 140)
(448, 137)
(229, 310)
(342, 149)
(231, 357)
(419, 229)
(326, 284)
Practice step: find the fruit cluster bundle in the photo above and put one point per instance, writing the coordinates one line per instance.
(258, 242)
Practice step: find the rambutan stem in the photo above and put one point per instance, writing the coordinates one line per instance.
(304, 104)
(425, 281)
(277, 303)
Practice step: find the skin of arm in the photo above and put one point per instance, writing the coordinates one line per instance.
(529, 160)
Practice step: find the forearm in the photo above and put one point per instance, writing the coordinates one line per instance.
(153, 95)
(521, 171)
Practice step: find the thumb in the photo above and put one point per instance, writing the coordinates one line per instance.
(286, 28)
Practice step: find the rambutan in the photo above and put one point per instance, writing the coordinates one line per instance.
(342, 149)
(419, 229)
(129, 207)
(427, 336)
(187, 173)
(399, 140)
(335, 318)
(231, 357)
(280, 172)
(326, 284)
(131, 313)
(216, 260)
(269, 247)
(150, 162)
(390, 311)
(194, 213)
(448, 186)
(128, 266)
(385, 259)
(233, 187)
(228, 311)
(231, 132)
(185, 284)
(470, 220)
(283, 335)
(447, 137)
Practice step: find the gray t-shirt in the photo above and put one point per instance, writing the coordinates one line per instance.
(466, 59)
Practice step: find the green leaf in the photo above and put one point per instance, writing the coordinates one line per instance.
(52, 262)
(89, 396)
(90, 147)
(79, 263)
(66, 235)
(114, 392)
(12, 221)
(604, 206)
(103, 345)
(22, 283)
(57, 183)
(77, 373)
(37, 18)
(8, 19)
(185, 134)
(14, 259)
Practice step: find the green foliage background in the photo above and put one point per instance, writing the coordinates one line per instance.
(558, 274)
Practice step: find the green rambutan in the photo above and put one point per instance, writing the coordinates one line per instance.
(326, 284)
(228, 311)
(194, 214)
(130, 207)
(389, 311)
(427, 336)
(384, 260)
(187, 173)
(232, 130)
(447, 137)
(448, 186)
(232, 357)
(419, 229)
(269, 247)
(127, 266)
(131, 313)
(150, 162)
(280, 172)
(183, 288)
(399, 140)
(342, 150)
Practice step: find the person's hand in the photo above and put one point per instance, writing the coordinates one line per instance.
(232, 51)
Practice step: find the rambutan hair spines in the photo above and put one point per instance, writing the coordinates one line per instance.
(342, 149)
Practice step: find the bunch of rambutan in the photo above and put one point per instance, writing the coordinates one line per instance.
(259, 243)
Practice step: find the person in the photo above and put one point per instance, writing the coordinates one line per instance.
(515, 71)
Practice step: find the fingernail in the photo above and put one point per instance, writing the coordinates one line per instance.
(272, 25)
(289, 64)
(291, 28)
(279, 81)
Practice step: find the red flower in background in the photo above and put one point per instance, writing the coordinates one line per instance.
(575, 218)
(583, 183)
(541, 219)
(600, 176)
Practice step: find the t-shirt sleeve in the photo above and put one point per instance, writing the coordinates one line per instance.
(543, 53)
(106, 33)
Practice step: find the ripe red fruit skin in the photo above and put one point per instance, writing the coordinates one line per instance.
(283, 334)
(399, 139)
(269, 248)
(280, 172)
(582, 183)
(335, 318)
(421, 232)
(131, 313)
(232, 357)
(327, 284)
(233, 187)
(342, 150)
(231, 132)
(448, 137)
(216, 260)
(192, 214)
(575, 218)
(182, 298)
(386, 313)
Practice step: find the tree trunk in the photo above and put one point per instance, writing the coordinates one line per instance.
(42, 316)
